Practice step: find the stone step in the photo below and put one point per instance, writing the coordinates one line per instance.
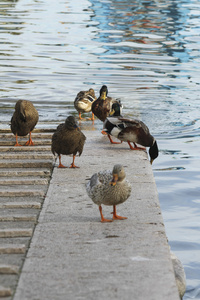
(22, 199)
(25, 173)
(10, 149)
(15, 218)
(12, 248)
(5, 291)
(21, 193)
(25, 205)
(16, 232)
(9, 269)
(36, 142)
(24, 177)
(40, 130)
(34, 135)
(26, 164)
(27, 155)
(23, 181)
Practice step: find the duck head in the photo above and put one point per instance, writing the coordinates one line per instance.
(118, 174)
(153, 151)
(92, 93)
(116, 109)
(103, 92)
(70, 123)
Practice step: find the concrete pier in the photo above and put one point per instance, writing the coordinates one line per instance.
(73, 255)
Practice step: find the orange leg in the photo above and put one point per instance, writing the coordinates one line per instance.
(103, 132)
(29, 142)
(111, 140)
(115, 216)
(135, 147)
(80, 118)
(102, 217)
(72, 164)
(92, 119)
(60, 165)
(17, 144)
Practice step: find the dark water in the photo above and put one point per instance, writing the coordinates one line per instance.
(148, 54)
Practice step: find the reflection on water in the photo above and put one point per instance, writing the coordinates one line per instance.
(147, 52)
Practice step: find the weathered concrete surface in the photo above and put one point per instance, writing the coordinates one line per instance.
(74, 256)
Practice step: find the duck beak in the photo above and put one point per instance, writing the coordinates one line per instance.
(112, 112)
(103, 95)
(114, 179)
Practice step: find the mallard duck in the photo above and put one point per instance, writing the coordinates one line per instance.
(109, 187)
(134, 131)
(102, 106)
(68, 139)
(23, 121)
(83, 102)
(116, 110)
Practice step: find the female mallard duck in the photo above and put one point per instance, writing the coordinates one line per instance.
(23, 121)
(134, 131)
(102, 106)
(83, 102)
(109, 188)
(68, 139)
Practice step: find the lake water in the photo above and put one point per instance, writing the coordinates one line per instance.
(148, 54)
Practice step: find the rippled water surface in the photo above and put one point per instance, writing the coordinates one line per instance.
(148, 54)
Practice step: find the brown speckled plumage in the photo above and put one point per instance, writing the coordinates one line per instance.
(24, 119)
(68, 139)
(109, 187)
(83, 102)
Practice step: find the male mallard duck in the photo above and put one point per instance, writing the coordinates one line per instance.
(68, 139)
(116, 110)
(102, 106)
(109, 188)
(134, 131)
(83, 102)
(24, 119)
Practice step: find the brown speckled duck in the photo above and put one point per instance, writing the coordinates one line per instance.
(68, 139)
(109, 187)
(23, 121)
(102, 106)
(83, 102)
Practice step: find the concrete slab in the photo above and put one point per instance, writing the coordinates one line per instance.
(74, 256)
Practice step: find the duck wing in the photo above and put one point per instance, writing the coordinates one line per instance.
(135, 131)
(98, 181)
(134, 123)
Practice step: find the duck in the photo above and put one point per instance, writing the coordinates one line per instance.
(131, 130)
(116, 110)
(24, 120)
(68, 139)
(101, 107)
(83, 102)
(109, 187)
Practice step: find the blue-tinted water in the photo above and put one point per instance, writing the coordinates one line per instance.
(148, 54)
